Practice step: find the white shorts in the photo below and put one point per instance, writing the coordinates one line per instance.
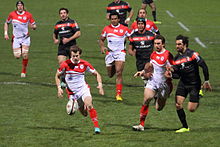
(114, 56)
(83, 93)
(18, 42)
(162, 89)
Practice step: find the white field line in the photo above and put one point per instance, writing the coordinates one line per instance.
(183, 26)
(200, 42)
(169, 13)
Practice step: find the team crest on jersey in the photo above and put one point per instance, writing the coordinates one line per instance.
(142, 42)
(62, 28)
(24, 18)
(147, 26)
(121, 31)
(81, 66)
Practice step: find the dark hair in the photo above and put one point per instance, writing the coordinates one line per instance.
(161, 38)
(113, 13)
(141, 20)
(19, 2)
(75, 49)
(185, 39)
(67, 11)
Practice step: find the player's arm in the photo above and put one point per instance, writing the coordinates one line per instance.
(107, 16)
(59, 89)
(131, 50)
(102, 44)
(99, 80)
(147, 72)
(55, 38)
(75, 36)
(6, 31)
(33, 26)
(206, 85)
(131, 13)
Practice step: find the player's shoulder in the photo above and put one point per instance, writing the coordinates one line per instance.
(27, 13)
(123, 27)
(84, 62)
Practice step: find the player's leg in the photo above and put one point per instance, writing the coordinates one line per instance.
(25, 50)
(110, 70)
(144, 4)
(148, 96)
(163, 94)
(154, 12)
(92, 113)
(181, 94)
(119, 67)
(194, 98)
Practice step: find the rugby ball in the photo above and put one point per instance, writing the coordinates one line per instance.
(72, 106)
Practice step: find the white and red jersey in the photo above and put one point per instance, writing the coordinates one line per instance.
(160, 60)
(116, 36)
(75, 74)
(150, 26)
(20, 23)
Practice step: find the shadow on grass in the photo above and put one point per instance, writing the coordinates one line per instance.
(70, 129)
(9, 74)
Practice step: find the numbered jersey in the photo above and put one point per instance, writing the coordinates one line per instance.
(20, 23)
(116, 36)
(75, 74)
(160, 60)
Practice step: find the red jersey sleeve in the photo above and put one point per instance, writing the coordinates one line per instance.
(62, 67)
(9, 19)
(104, 32)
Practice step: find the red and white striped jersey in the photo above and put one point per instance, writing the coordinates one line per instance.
(20, 22)
(150, 26)
(116, 36)
(160, 60)
(75, 73)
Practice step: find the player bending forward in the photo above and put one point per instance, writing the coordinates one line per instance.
(78, 90)
(158, 86)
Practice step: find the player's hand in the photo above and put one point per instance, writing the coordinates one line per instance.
(138, 74)
(101, 90)
(207, 86)
(132, 52)
(56, 41)
(148, 75)
(65, 40)
(103, 50)
(60, 92)
(127, 20)
(6, 37)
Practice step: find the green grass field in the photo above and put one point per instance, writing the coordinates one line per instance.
(32, 115)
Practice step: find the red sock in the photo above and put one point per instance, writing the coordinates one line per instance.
(143, 114)
(94, 117)
(24, 65)
(119, 89)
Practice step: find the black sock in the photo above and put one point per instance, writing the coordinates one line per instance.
(182, 117)
(154, 15)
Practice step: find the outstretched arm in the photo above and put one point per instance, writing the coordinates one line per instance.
(59, 89)
(99, 80)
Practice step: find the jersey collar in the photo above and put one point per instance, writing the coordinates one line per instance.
(20, 13)
(115, 26)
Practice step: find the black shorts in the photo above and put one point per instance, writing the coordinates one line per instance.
(192, 90)
(147, 1)
(140, 64)
(64, 50)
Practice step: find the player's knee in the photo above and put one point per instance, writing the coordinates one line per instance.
(179, 106)
(119, 73)
(17, 55)
(192, 109)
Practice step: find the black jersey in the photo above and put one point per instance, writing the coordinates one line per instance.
(187, 67)
(121, 8)
(143, 43)
(66, 29)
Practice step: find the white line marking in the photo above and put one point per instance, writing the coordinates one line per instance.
(169, 13)
(183, 26)
(200, 42)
